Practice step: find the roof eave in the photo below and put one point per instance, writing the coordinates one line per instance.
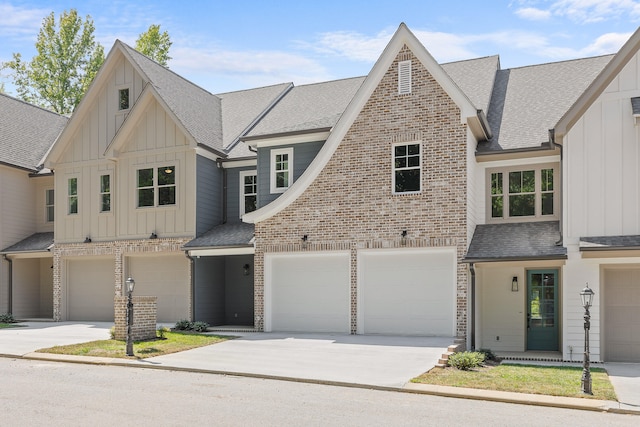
(515, 258)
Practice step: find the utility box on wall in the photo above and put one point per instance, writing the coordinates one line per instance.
(145, 310)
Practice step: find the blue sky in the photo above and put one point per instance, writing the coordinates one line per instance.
(227, 45)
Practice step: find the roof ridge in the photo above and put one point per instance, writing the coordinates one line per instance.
(33, 105)
(253, 88)
(559, 62)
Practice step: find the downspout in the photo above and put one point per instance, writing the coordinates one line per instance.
(552, 139)
(193, 285)
(10, 287)
(224, 192)
(473, 306)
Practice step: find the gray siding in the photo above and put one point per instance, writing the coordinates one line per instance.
(208, 195)
(303, 155)
(209, 290)
(233, 192)
(239, 291)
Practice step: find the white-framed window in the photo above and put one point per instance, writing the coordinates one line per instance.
(72, 196)
(124, 101)
(407, 168)
(404, 77)
(524, 192)
(156, 186)
(281, 169)
(49, 204)
(248, 191)
(105, 193)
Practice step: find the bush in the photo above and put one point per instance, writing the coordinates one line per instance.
(200, 326)
(183, 325)
(466, 360)
(161, 331)
(112, 332)
(7, 318)
(488, 354)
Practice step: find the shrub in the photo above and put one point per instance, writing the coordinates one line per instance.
(162, 330)
(488, 354)
(7, 318)
(112, 332)
(466, 360)
(183, 325)
(200, 326)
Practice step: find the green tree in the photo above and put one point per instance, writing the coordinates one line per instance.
(155, 44)
(67, 61)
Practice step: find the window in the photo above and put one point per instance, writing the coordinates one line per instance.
(72, 194)
(156, 187)
(105, 193)
(49, 205)
(522, 193)
(281, 169)
(248, 191)
(406, 168)
(123, 99)
(404, 77)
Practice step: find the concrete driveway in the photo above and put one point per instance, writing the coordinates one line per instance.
(625, 378)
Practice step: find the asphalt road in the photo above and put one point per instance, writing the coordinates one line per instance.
(63, 394)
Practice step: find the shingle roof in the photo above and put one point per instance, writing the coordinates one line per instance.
(199, 111)
(475, 77)
(35, 243)
(517, 241)
(528, 101)
(224, 235)
(600, 243)
(26, 132)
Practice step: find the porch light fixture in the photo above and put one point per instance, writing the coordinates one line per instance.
(304, 240)
(87, 239)
(153, 236)
(514, 284)
(131, 284)
(587, 300)
(403, 240)
(246, 269)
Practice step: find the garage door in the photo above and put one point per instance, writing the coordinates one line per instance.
(622, 315)
(167, 278)
(307, 292)
(91, 289)
(406, 292)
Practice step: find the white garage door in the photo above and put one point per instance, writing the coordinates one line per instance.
(406, 292)
(622, 315)
(307, 292)
(91, 289)
(167, 278)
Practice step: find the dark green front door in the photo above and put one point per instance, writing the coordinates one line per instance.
(542, 310)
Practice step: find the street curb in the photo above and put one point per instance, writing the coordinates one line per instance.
(415, 388)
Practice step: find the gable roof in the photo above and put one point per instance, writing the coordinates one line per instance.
(597, 86)
(528, 101)
(475, 77)
(38, 242)
(26, 132)
(469, 114)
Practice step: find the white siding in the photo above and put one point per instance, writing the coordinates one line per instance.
(17, 210)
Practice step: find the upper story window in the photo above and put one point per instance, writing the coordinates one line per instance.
(524, 192)
(281, 169)
(123, 99)
(248, 191)
(49, 205)
(72, 195)
(105, 193)
(407, 166)
(404, 77)
(156, 186)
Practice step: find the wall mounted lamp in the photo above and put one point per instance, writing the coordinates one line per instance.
(403, 240)
(87, 239)
(153, 235)
(246, 269)
(304, 240)
(514, 284)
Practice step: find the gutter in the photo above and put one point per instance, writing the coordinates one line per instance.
(473, 306)
(509, 259)
(552, 140)
(10, 287)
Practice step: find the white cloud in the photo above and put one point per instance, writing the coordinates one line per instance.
(20, 21)
(533, 14)
(349, 44)
(606, 43)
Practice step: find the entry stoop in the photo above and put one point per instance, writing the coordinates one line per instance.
(452, 349)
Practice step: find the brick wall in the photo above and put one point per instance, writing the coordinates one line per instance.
(350, 205)
(144, 317)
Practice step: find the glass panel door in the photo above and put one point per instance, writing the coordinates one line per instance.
(542, 310)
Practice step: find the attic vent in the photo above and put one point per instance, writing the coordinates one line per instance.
(404, 77)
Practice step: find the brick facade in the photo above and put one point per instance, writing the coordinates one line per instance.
(351, 205)
(144, 324)
(119, 250)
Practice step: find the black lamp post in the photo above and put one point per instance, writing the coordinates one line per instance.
(587, 299)
(130, 285)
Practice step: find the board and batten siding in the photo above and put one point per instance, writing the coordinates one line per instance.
(602, 164)
(208, 194)
(303, 155)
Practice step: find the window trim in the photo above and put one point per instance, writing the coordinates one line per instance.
(155, 186)
(273, 172)
(393, 167)
(70, 196)
(47, 206)
(537, 168)
(101, 193)
(242, 176)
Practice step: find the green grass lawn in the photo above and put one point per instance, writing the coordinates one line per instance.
(173, 342)
(10, 325)
(549, 380)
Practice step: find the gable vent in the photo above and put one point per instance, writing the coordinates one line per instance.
(404, 77)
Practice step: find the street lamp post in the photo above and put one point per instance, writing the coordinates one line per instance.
(587, 299)
(130, 285)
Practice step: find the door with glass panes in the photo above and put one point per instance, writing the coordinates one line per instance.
(542, 310)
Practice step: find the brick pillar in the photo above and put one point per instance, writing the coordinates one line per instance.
(144, 318)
